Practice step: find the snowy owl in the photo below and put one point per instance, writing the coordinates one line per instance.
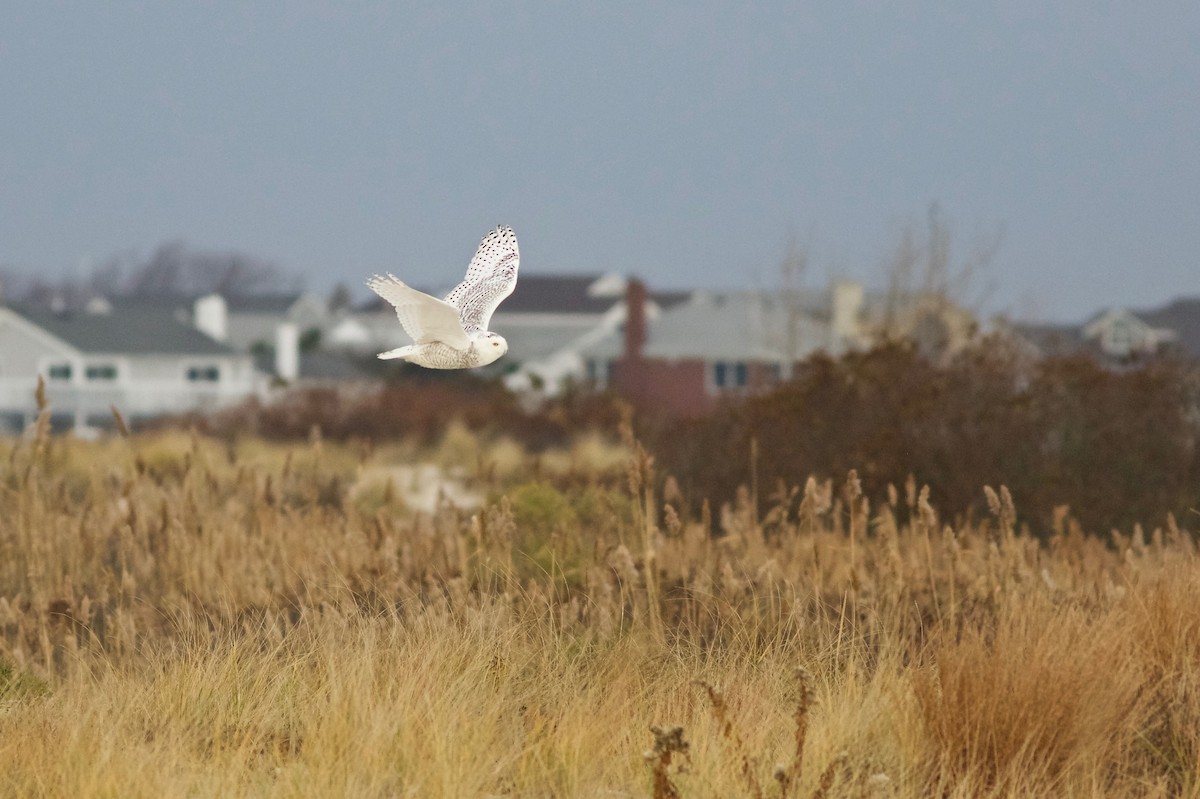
(452, 333)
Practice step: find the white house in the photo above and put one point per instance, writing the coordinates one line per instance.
(1121, 335)
(254, 320)
(1117, 337)
(144, 361)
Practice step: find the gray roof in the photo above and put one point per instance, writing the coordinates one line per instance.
(144, 330)
(1181, 316)
(569, 294)
(557, 294)
(532, 342)
(262, 303)
(276, 304)
(669, 299)
(748, 326)
(1056, 340)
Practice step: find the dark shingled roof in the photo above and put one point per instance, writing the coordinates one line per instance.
(1055, 340)
(669, 299)
(556, 294)
(136, 331)
(262, 303)
(1182, 316)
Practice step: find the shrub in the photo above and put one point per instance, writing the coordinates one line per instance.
(540, 510)
(19, 684)
(1117, 447)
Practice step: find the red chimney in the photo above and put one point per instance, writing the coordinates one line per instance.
(635, 319)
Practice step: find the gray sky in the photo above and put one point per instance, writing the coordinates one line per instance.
(684, 143)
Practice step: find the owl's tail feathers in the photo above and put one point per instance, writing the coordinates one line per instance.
(402, 352)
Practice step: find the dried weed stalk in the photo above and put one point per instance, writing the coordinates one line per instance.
(746, 763)
(668, 742)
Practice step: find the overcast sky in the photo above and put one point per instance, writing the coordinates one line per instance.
(682, 143)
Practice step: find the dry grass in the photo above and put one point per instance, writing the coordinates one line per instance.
(183, 617)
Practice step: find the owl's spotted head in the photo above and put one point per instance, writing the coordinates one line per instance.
(490, 346)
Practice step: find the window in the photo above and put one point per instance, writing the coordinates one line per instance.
(1120, 338)
(741, 375)
(730, 375)
(59, 371)
(203, 374)
(720, 374)
(101, 371)
(599, 373)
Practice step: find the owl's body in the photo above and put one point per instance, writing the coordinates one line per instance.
(452, 333)
(437, 355)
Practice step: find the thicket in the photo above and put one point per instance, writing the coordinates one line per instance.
(1116, 447)
(417, 404)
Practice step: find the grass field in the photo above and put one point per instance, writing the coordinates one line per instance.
(187, 617)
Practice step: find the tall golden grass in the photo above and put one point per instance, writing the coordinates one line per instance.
(186, 617)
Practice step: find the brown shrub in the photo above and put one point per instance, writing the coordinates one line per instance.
(1117, 447)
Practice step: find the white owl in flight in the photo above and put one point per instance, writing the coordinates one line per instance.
(452, 333)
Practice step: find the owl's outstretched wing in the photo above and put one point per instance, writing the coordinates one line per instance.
(490, 278)
(425, 318)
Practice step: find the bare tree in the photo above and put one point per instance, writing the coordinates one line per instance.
(13, 283)
(174, 269)
(159, 275)
(171, 270)
(106, 279)
(926, 280)
(234, 274)
(792, 268)
(340, 298)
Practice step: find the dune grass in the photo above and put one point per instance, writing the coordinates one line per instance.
(186, 617)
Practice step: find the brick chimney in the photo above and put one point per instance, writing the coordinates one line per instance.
(635, 319)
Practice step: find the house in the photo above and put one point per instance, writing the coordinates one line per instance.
(716, 346)
(143, 359)
(253, 319)
(719, 345)
(317, 369)
(548, 320)
(551, 319)
(1116, 337)
(285, 333)
(369, 327)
